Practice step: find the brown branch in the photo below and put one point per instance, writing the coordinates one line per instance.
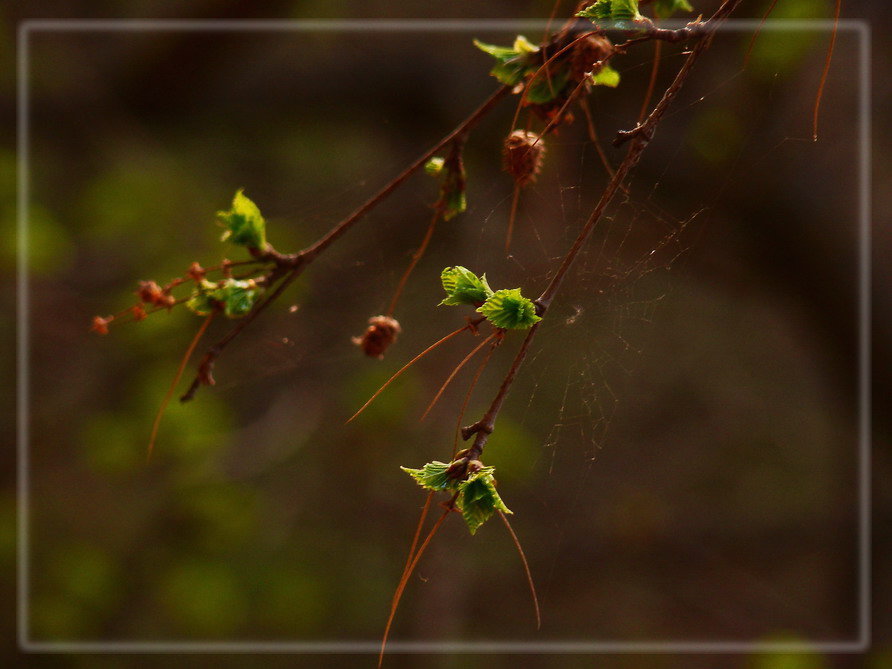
(289, 267)
(463, 128)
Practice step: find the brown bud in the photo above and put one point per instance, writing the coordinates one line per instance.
(523, 154)
(138, 312)
(381, 333)
(587, 52)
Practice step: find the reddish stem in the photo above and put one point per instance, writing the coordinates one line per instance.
(402, 585)
(464, 406)
(455, 371)
(176, 380)
(826, 70)
(406, 366)
(749, 50)
(652, 84)
(415, 258)
(526, 567)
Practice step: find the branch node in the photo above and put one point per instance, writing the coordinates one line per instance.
(470, 430)
(643, 130)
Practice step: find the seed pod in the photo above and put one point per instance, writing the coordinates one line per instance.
(381, 333)
(523, 154)
(586, 53)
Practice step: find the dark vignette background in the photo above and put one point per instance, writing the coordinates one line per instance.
(718, 504)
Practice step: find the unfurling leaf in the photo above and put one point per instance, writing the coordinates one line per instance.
(243, 222)
(611, 10)
(434, 166)
(663, 9)
(234, 297)
(462, 286)
(478, 499)
(523, 45)
(606, 76)
(509, 310)
(500, 53)
(433, 476)
(514, 63)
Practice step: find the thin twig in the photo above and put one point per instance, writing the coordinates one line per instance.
(826, 70)
(406, 366)
(415, 258)
(402, 585)
(652, 84)
(456, 370)
(464, 405)
(292, 265)
(749, 49)
(526, 566)
(176, 380)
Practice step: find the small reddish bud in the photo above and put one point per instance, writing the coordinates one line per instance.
(381, 333)
(149, 292)
(100, 324)
(523, 154)
(138, 312)
(197, 272)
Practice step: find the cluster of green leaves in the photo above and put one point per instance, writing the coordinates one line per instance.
(453, 196)
(243, 222)
(514, 64)
(507, 309)
(233, 296)
(477, 497)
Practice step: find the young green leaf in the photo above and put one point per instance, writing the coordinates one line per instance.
(663, 9)
(509, 310)
(513, 63)
(432, 476)
(500, 53)
(236, 298)
(434, 166)
(462, 286)
(611, 10)
(606, 76)
(202, 301)
(523, 45)
(478, 499)
(243, 222)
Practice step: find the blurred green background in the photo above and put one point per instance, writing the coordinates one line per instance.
(680, 452)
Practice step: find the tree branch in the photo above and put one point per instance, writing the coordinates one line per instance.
(640, 138)
(289, 266)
